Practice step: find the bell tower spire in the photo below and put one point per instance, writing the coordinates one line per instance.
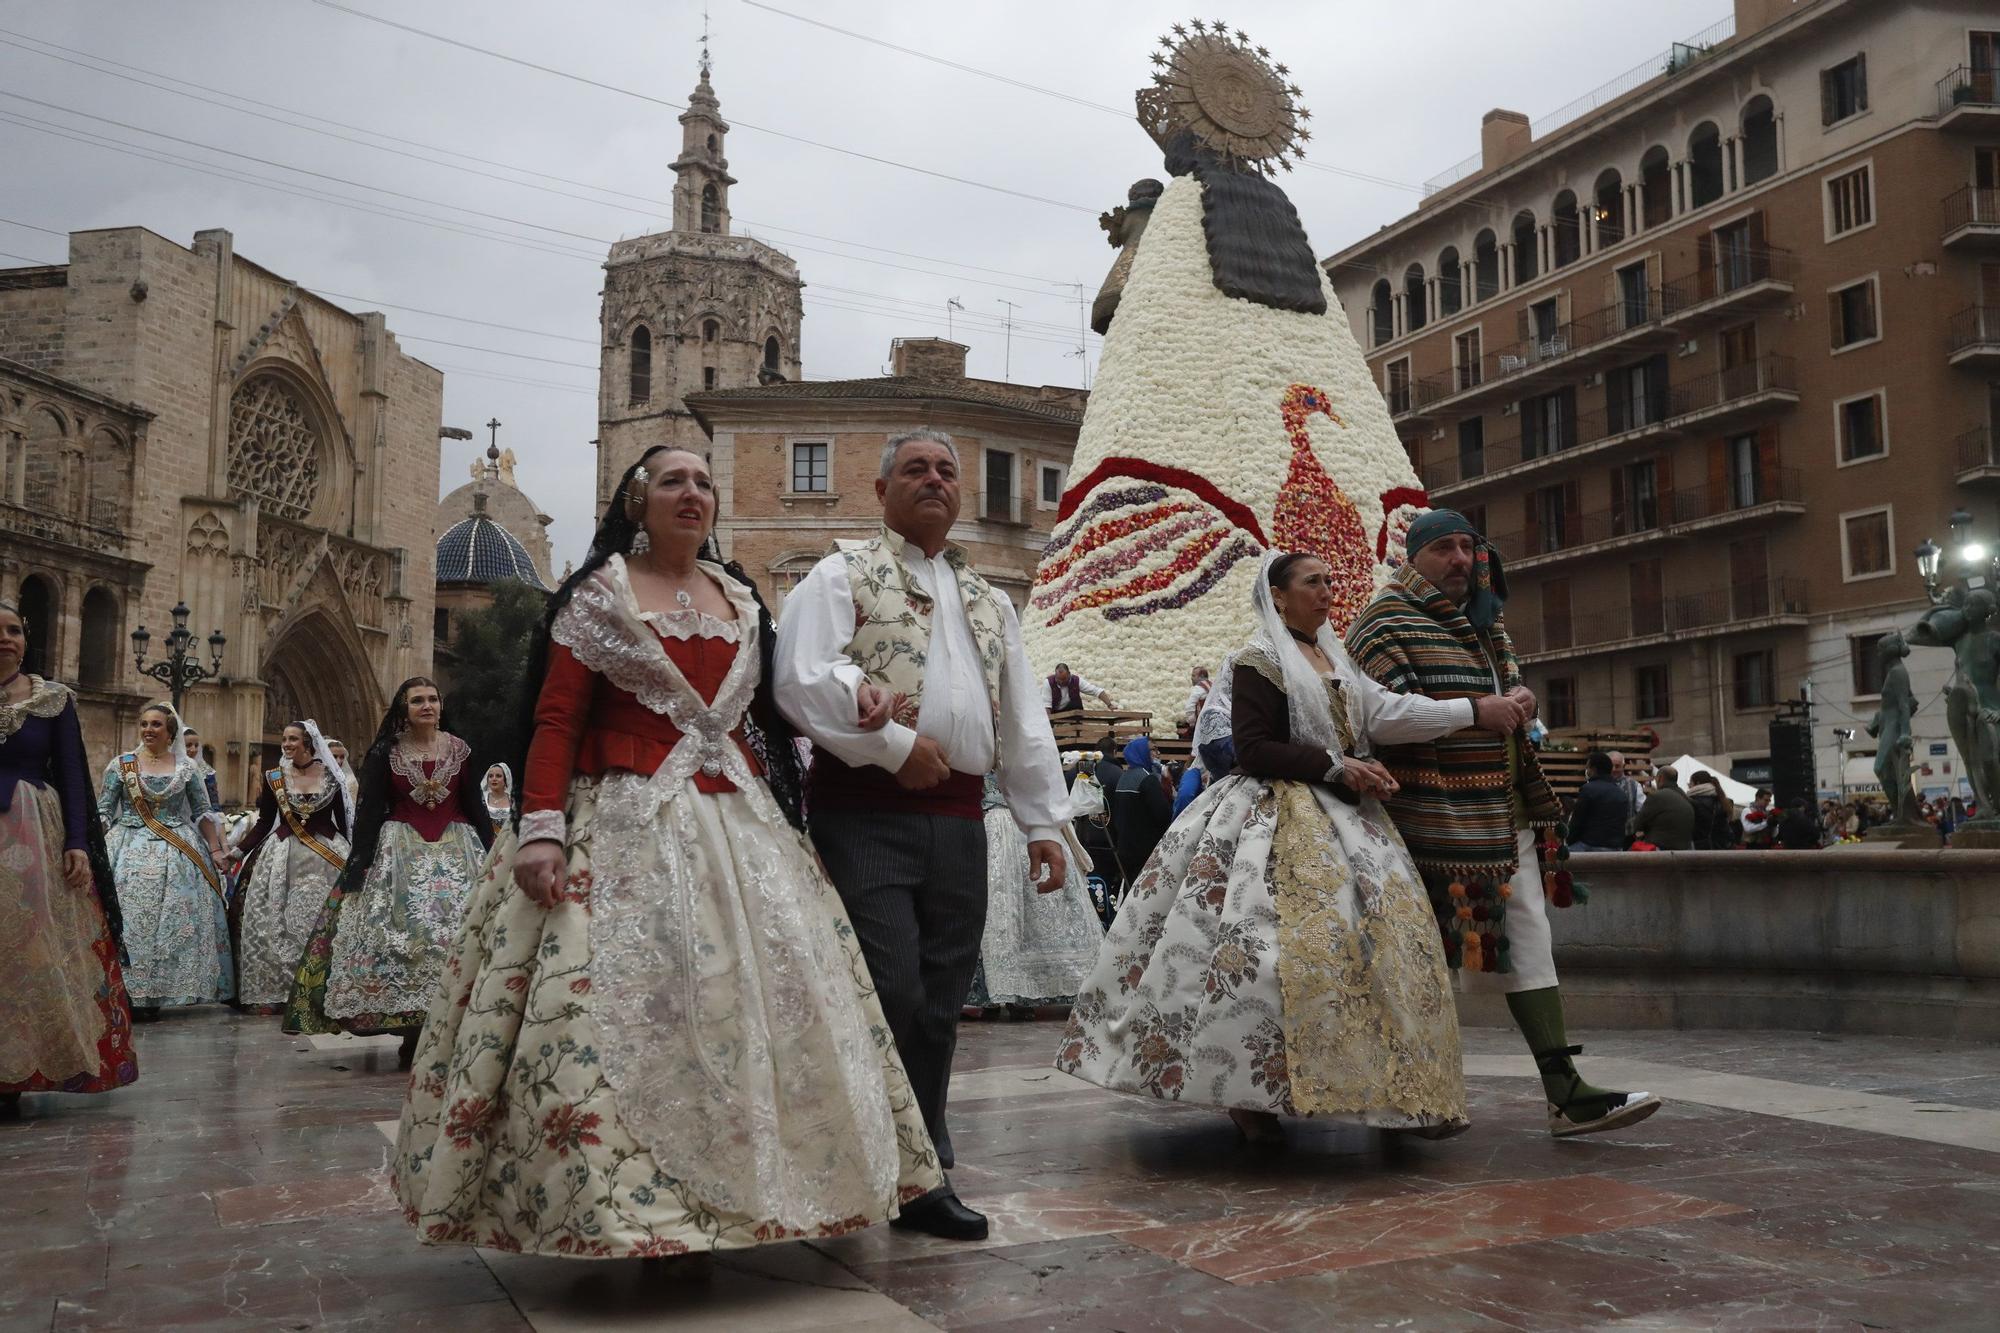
(701, 188)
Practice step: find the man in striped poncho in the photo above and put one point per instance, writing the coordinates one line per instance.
(1471, 804)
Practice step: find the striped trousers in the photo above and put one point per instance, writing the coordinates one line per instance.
(915, 888)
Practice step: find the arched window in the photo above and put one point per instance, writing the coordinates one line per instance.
(1450, 292)
(37, 601)
(1760, 141)
(1485, 266)
(708, 377)
(1608, 207)
(1527, 254)
(98, 662)
(641, 365)
(1656, 182)
(108, 479)
(712, 145)
(711, 209)
(710, 330)
(1414, 314)
(1382, 312)
(46, 439)
(1705, 180)
(1567, 225)
(771, 352)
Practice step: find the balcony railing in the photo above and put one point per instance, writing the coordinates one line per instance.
(1709, 611)
(1770, 373)
(1975, 327)
(1696, 504)
(44, 526)
(1971, 206)
(1659, 517)
(1975, 449)
(1966, 86)
(1731, 271)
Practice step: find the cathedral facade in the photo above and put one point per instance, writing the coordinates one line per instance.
(689, 310)
(180, 424)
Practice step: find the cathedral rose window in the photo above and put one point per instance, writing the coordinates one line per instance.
(274, 451)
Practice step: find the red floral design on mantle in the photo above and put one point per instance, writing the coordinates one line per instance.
(1315, 516)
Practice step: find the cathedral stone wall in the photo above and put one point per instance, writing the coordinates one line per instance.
(283, 485)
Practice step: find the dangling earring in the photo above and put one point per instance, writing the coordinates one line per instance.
(641, 543)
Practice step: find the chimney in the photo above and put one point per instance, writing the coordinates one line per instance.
(1753, 16)
(1503, 137)
(927, 359)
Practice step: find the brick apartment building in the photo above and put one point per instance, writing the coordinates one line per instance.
(795, 464)
(1707, 356)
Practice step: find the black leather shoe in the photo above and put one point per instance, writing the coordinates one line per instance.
(941, 1214)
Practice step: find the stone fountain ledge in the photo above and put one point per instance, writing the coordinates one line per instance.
(1855, 940)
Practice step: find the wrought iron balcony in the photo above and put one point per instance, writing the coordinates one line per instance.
(1969, 98)
(1978, 463)
(1972, 218)
(1734, 280)
(1728, 609)
(1973, 336)
(1772, 493)
(1736, 392)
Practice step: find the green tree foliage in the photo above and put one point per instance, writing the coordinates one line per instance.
(490, 648)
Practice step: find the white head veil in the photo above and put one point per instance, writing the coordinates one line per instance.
(506, 773)
(1309, 704)
(324, 753)
(201, 765)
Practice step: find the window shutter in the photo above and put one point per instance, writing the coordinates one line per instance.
(1705, 263)
(1861, 82)
(1872, 326)
(1826, 97)
(1572, 513)
(1718, 476)
(1875, 412)
(1767, 464)
(1618, 502)
(1663, 485)
(1753, 228)
(1531, 527)
(1836, 327)
(1523, 329)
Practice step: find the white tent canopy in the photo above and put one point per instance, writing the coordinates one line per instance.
(1742, 793)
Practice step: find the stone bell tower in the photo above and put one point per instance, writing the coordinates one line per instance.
(690, 309)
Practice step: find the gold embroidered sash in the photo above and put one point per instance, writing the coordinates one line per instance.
(276, 777)
(135, 786)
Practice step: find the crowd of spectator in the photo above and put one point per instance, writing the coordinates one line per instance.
(1614, 811)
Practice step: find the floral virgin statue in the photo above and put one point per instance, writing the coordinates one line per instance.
(1232, 412)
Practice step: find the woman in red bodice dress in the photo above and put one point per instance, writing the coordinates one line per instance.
(657, 1034)
(377, 953)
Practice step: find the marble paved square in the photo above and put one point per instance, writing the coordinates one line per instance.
(1793, 1182)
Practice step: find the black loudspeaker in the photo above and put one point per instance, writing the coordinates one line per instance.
(1792, 772)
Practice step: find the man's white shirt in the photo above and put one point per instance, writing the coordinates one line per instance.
(816, 685)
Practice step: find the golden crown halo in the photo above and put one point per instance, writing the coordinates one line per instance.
(1211, 82)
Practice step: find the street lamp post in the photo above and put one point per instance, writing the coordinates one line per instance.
(181, 668)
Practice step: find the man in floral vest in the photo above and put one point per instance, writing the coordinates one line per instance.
(1470, 806)
(901, 623)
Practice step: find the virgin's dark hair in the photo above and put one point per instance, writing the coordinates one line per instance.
(312, 757)
(1281, 568)
(770, 735)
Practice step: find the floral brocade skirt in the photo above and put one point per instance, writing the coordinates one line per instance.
(1277, 953)
(282, 894)
(1037, 947)
(375, 958)
(176, 924)
(684, 1054)
(65, 1022)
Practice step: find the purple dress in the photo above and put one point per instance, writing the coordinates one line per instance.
(65, 1021)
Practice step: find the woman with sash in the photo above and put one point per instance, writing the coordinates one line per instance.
(164, 853)
(287, 864)
(65, 1022)
(1277, 954)
(658, 1035)
(376, 954)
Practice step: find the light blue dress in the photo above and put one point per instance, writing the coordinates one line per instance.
(176, 923)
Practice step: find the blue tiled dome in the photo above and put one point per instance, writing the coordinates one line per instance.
(478, 550)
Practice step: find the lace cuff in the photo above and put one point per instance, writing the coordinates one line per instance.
(1334, 771)
(539, 824)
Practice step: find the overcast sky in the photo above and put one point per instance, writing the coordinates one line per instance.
(1397, 92)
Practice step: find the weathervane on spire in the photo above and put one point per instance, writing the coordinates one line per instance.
(704, 41)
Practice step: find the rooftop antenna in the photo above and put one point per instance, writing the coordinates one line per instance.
(953, 304)
(1008, 374)
(1082, 351)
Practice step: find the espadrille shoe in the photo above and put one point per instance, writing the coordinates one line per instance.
(1623, 1108)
